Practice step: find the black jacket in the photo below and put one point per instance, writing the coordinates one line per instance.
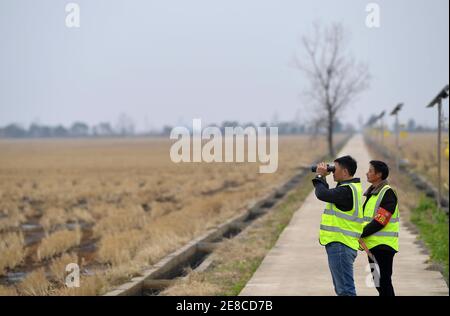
(341, 196)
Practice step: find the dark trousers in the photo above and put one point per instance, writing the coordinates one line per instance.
(385, 259)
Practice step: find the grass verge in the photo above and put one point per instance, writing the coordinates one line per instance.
(433, 228)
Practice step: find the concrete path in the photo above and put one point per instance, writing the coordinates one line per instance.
(297, 264)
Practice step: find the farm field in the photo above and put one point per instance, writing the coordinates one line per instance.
(419, 149)
(115, 206)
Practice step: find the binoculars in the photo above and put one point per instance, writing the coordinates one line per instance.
(330, 168)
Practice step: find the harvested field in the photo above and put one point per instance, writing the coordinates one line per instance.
(420, 150)
(115, 206)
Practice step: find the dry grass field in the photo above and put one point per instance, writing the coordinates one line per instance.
(420, 149)
(115, 206)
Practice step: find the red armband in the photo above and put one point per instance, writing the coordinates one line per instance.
(383, 216)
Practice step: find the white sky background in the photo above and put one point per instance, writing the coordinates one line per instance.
(167, 62)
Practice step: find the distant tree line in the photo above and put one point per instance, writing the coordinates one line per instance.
(284, 127)
(126, 127)
(77, 129)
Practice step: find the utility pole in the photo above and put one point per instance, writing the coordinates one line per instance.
(380, 117)
(443, 94)
(395, 111)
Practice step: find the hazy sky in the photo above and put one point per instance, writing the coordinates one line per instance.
(166, 62)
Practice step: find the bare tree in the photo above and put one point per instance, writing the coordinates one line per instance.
(125, 125)
(336, 79)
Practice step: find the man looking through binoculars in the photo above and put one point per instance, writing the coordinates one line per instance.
(342, 220)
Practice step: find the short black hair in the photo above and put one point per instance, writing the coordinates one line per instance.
(347, 162)
(380, 167)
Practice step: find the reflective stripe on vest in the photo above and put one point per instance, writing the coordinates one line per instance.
(379, 199)
(392, 220)
(355, 196)
(344, 216)
(385, 234)
(340, 230)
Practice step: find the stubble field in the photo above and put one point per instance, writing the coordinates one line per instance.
(115, 206)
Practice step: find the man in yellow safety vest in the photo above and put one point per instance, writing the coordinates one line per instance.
(342, 219)
(381, 225)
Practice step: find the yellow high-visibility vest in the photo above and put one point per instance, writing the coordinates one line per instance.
(389, 234)
(340, 226)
